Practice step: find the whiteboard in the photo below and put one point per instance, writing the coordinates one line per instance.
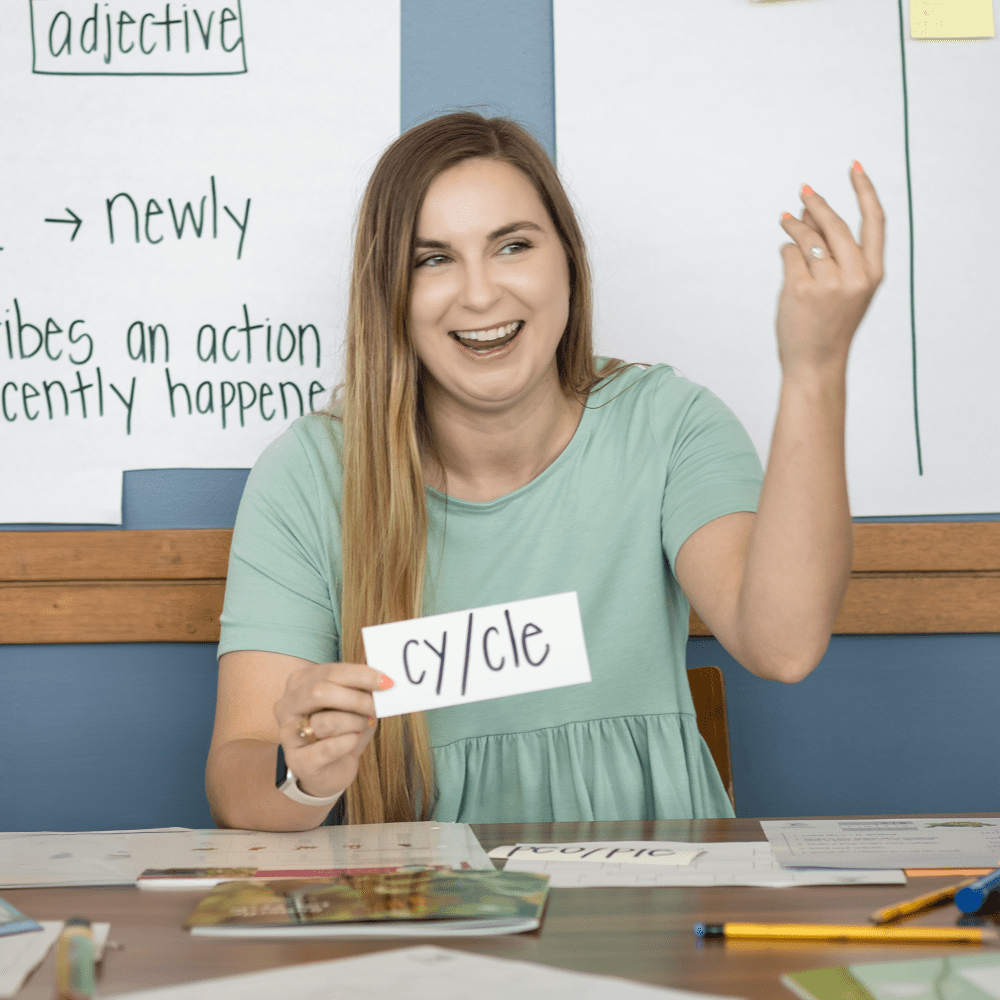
(685, 129)
(214, 155)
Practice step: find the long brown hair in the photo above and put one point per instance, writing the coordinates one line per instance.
(384, 515)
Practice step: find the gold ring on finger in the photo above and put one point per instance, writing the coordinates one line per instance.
(306, 731)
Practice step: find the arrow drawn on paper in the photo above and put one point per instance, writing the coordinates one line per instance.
(76, 219)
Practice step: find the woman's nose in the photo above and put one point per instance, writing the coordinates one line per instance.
(479, 288)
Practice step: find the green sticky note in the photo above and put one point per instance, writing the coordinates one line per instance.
(951, 18)
(834, 983)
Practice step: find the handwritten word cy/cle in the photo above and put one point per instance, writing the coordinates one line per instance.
(617, 853)
(478, 654)
(137, 38)
(182, 219)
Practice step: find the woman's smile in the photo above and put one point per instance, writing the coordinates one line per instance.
(488, 342)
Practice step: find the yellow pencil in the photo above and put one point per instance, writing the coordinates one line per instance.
(848, 932)
(926, 902)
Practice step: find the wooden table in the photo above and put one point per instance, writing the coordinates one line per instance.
(642, 934)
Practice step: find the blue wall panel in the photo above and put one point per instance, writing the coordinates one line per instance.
(885, 724)
(106, 737)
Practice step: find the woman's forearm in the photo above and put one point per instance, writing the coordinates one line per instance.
(239, 780)
(799, 553)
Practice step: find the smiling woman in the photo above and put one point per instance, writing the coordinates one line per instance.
(477, 453)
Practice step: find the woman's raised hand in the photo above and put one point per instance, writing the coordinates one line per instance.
(829, 279)
(331, 704)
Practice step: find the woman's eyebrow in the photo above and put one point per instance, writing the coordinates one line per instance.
(423, 244)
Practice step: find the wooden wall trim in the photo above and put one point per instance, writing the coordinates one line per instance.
(938, 546)
(105, 611)
(32, 556)
(168, 585)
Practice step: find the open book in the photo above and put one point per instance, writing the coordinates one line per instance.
(389, 904)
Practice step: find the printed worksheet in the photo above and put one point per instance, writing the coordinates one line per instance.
(418, 973)
(117, 857)
(915, 842)
(575, 866)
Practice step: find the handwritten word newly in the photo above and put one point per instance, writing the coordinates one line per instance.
(184, 218)
(137, 38)
(489, 652)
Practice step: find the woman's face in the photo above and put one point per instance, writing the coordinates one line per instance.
(489, 300)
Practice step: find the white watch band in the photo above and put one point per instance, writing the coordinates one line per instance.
(290, 786)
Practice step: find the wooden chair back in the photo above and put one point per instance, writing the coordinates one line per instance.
(708, 690)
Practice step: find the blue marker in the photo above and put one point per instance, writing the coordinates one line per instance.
(973, 897)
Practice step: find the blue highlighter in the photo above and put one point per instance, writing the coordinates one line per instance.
(973, 897)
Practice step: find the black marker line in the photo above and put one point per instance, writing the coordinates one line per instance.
(468, 646)
(909, 204)
(513, 641)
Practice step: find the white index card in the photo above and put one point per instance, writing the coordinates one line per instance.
(478, 654)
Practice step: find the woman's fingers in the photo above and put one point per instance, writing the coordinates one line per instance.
(807, 238)
(326, 718)
(326, 724)
(344, 687)
(857, 262)
(872, 224)
(829, 278)
(312, 760)
(836, 234)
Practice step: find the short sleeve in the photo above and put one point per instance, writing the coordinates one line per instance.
(712, 468)
(284, 565)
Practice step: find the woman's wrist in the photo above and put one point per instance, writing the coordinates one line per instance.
(242, 791)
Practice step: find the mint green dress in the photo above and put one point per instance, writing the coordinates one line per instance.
(653, 459)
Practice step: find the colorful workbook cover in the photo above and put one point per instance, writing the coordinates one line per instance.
(404, 903)
(957, 977)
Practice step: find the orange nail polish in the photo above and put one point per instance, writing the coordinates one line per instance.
(384, 683)
(371, 720)
(857, 168)
(786, 215)
(807, 190)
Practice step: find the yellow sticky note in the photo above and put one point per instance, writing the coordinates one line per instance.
(951, 18)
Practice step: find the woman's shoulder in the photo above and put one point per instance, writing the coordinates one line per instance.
(634, 384)
(307, 450)
(662, 402)
(314, 434)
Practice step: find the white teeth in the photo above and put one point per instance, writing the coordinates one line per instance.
(495, 334)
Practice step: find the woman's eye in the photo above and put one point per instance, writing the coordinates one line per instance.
(516, 247)
(432, 260)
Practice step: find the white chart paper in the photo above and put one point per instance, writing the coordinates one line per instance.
(197, 306)
(684, 130)
(117, 858)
